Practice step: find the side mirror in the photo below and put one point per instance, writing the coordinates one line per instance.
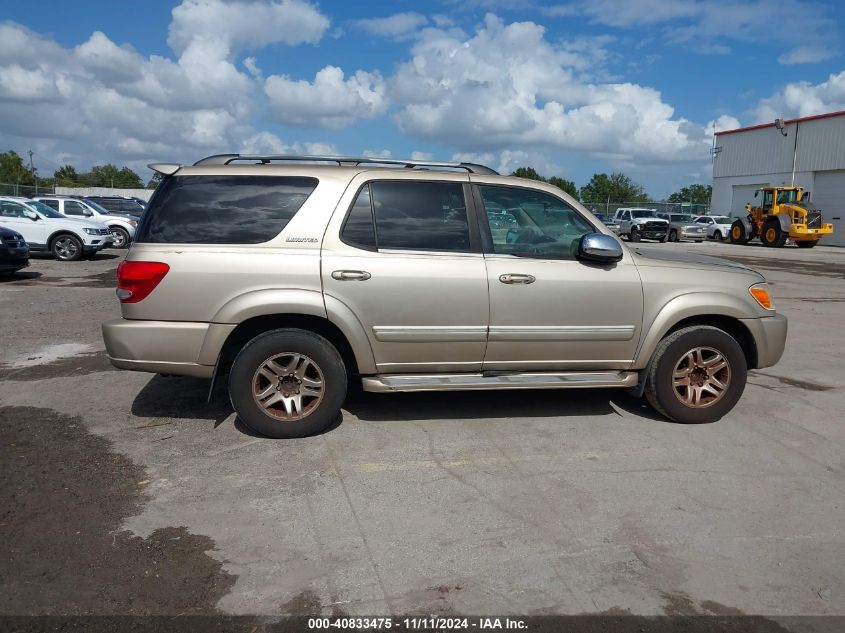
(598, 247)
(32, 216)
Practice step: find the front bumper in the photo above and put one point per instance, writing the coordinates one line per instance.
(769, 336)
(167, 347)
(688, 234)
(652, 234)
(8, 263)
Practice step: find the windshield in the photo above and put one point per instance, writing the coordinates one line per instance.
(44, 210)
(97, 207)
(790, 195)
(678, 217)
(643, 213)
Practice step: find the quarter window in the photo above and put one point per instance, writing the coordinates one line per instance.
(426, 216)
(532, 223)
(358, 230)
(223, 209)
(53, 204)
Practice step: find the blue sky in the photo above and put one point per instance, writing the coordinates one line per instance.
(570, 88)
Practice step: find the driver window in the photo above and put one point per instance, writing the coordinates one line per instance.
(532, 223)
(767, 200)
(11, 210)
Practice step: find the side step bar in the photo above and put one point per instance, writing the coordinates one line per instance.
(471, 382)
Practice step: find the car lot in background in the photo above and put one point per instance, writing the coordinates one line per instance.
(512, 502)
(14, 251)
(122, 227)
(47, 230)
(637, 224)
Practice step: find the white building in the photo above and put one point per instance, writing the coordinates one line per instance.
(809, 152)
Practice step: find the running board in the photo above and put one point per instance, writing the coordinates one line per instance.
(468, 382)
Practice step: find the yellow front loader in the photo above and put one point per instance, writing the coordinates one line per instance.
(783, 213)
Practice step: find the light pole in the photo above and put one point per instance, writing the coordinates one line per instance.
(32, 169)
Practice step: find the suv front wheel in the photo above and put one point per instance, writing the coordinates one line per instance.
(287, 383)
(697, 375)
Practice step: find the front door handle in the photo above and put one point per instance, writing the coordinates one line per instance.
(351, 275)
(516, 278)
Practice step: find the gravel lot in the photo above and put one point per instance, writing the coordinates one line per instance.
(126, 493)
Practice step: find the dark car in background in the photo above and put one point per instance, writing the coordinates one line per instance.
(14, 252)
(118, 205)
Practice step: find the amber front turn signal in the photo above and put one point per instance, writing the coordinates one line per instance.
(762, 296)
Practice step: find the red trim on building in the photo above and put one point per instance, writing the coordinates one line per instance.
(827, 115)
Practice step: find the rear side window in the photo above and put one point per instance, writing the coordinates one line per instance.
(358, 230)
(223, 209)
(53, 204)
(427, 216)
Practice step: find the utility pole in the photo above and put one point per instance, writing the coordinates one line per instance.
(32, 169)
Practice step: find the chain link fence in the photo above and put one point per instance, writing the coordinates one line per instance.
(26, 191)
(609, 208)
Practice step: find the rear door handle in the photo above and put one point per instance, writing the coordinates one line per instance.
(516, 278)
(351, 275)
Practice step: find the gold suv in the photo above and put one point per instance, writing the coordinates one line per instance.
(297, 274)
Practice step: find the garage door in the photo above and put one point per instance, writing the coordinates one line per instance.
(829, 196)
(741, 195)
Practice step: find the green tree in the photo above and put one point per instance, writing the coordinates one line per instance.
(153, 183)
(561, 183)
(695, 193)
(66, 175)
(614, 188)
(109, 175)
(13, 170)
(567, 185)
(527, 172)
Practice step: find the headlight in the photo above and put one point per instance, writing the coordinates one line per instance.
(762, 296)
(91, 231)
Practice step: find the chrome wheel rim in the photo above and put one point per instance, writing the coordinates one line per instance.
(701, 377)
(65, 247)
(288, 386)
(119, 238)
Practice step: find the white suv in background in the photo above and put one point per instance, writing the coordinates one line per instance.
(48, 230)
(122, 228)
(718, 227)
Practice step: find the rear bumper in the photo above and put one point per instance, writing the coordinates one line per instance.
(770, 338)
(167, 347)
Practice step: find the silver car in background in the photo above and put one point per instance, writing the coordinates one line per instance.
(683, 227)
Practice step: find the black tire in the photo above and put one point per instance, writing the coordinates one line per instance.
(244, 380)
(660, 391)
(635, 235)
(772, 235)
(807, 244)
(717, 235)
(662, 239)
(121, 237)
(66, 247)
(738, 234)
(673, 235)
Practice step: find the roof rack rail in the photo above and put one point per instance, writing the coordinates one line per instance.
(354, 161)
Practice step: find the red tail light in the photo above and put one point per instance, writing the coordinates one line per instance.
(136, 280)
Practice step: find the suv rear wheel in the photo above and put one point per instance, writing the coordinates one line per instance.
(121, 237)
(287, 383)
(697, 375)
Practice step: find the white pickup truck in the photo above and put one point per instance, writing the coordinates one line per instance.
(637, 224)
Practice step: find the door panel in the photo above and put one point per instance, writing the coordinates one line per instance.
(547, 309)
(573, 316)
(422, 311)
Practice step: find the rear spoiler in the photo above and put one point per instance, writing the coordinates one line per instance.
(165, 169)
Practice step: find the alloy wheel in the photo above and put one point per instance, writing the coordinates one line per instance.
(701, 377)
(65, 248)
(288, 386)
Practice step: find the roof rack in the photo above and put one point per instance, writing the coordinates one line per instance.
(353, 161)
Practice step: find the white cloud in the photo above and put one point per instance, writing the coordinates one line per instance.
(809, 54)
(103, 101)
(804, 99)
(417, 155)
(398, 26)
(240, 25)
(377, 153)
(722, 123)
(329, 101)
(509, 87)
